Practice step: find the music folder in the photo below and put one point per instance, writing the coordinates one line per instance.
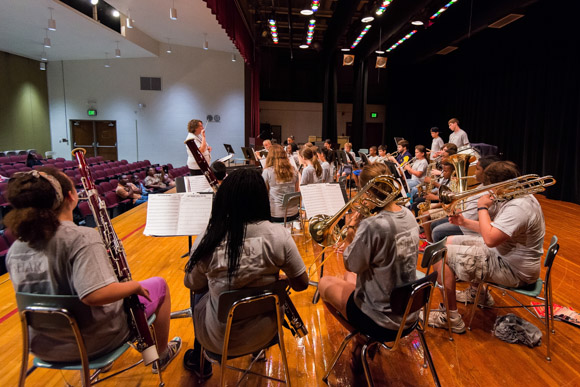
(179, 214)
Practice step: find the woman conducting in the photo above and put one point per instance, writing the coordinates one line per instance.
(196, 132)
(281, 178)
(54, 256)
(239, 249)
(380, 255)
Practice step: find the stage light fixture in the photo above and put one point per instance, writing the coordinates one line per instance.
(51, 21)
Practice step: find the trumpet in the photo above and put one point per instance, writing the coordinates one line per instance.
(379, 192)
(394, 154)
(502, 191)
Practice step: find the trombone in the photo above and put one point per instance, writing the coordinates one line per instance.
(502, 191)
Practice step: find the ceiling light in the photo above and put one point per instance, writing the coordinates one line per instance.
(43, 56)
(117, 51)
(345, 49)
(402, 40)
(443, 9)
(307, 12)
(205, 43)
(417, 23)
(169, 50)
(173, 12)
(107, 63)
(367, 19)
(310, 32)
(359, 38)
(315, 5)
(47, 41)
(51, 22)
(128, 21)
(383, 7)
(43, 66)
(94, 2)
(116, 13)
(273, 29)
(303, 46)
(233, 57)
(380, 52)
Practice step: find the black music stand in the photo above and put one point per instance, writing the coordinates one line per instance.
(364, 158)
(248, 153)
(229, 149)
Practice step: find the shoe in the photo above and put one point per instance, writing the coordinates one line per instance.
(438, 319)
(173, 348)
(191, 363)
(467, 296)
(422, 246)
(422, 235)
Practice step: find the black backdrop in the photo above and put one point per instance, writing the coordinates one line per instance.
(516, 87)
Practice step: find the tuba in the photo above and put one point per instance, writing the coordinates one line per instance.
(323, 228)
(502, 191)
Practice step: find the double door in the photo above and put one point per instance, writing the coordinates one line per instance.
(99, 138)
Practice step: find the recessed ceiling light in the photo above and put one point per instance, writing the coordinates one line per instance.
(345, 49)
(367, 19)
(306, 12)
(380, 52)
(116, 13)
(304, 46)
(417, 23)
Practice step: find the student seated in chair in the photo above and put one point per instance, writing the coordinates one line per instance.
(54, 256)
(380, 255)
(240, 248)
(507, 250)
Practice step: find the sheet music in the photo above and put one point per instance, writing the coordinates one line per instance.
(194, 213)
(263, 163)
(177, 214)
(196, 184)
(162, 214)
(323, 199)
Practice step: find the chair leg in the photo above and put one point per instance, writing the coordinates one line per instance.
(427, 355)
(547, 314)
(337, 355)
(25, 352)
(474, 308)
(445, 301)
(363, 356)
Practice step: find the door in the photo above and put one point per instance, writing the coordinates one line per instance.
(98, 138)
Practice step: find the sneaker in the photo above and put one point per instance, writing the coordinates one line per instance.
(467, 296)
(422, 235)
(173, 348)
(422, 246)
(191, 363)
(438, 319)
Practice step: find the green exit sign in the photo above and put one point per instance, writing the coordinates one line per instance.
(92, 112)
(374, 115)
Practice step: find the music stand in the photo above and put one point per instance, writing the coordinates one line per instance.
(229, 149)
(248, 153)
(395, 170)
(397, 139)
(352, 160)
(364, 158)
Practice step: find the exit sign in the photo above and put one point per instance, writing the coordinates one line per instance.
(374, 115)
(91, 112)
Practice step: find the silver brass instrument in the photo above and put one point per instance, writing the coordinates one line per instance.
(502, 191)
(323, 228)
(394, 154)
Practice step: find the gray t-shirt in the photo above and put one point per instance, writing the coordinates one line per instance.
(309, 176)
(383, 254)
(74, 262)
(436, 145)
(268, 248)
(277, 192)
(326, 172)
(420, 165)
(459, 138)
(522, 220)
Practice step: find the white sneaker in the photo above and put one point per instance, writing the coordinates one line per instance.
(438, 319)
(467, 296)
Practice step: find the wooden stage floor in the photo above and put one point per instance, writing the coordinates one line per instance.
(476, 358)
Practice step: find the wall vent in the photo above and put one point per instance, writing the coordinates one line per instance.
(446, 50)
(504, 21)
(150, 83)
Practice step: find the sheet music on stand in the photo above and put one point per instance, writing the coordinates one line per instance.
(179, 214)
(196, 184)
(263, 163)
(322, 199)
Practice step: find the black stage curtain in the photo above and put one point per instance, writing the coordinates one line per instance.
(516, 87)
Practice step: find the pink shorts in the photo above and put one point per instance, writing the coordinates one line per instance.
(157, 288)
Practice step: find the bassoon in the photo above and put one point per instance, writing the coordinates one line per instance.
(135, 309)
(294, 320)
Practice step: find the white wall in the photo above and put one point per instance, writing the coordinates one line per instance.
(303, 119)
(194, 83)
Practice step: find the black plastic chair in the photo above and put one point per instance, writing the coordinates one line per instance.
(243, 304)
(405, 299)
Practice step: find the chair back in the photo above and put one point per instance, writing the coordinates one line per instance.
(552, 251)
(247, 307)
(290, 199)
(433, 254)
(411, 297)
(40, 307)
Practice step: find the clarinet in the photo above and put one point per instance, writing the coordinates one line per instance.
(135, 309)
(203, 165)
(297, 326)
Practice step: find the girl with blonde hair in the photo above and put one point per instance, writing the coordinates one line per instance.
(280, 178)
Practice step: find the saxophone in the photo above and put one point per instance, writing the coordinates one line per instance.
(135, 310)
